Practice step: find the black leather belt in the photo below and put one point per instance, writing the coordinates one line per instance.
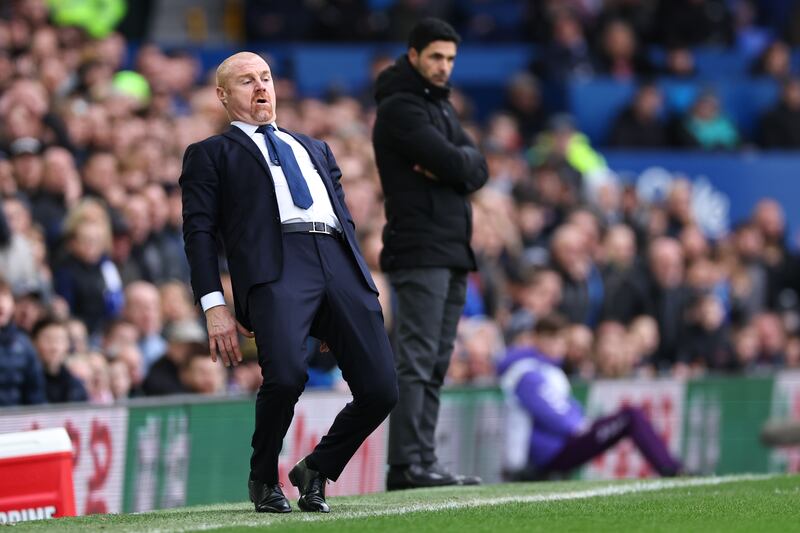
(311, 227)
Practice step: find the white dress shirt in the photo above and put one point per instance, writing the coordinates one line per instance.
(320, 210)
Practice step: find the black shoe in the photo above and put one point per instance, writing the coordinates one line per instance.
(268, 498)
(460, 478)
(418, 476)
(311, 485)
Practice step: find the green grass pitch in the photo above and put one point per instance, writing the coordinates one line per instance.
(736, 503)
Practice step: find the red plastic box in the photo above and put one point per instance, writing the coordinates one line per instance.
(36, 476)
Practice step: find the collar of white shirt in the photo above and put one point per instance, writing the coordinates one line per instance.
(250, 129)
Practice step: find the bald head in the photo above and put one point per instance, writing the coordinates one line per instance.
(666, 262)
(224, 69)
(245, 88)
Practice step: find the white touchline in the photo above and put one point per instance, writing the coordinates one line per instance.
(602, 491)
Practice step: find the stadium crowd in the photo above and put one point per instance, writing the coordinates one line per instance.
(95, 304)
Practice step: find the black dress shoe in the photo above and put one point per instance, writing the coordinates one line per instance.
(268, 498)
(418, 476)
(311, 485)
(461, 479)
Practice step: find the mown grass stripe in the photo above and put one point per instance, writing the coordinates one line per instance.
(602, 491)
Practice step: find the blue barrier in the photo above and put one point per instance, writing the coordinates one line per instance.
(727, 186)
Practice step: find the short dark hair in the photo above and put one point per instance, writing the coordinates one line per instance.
(46, 322)
(551, 324)
(431, 29)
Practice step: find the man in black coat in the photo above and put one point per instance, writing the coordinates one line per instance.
(659, 291)
(275, 199)
(428, 167)
(780, 126)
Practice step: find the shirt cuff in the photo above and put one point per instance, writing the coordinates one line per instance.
(212, 299)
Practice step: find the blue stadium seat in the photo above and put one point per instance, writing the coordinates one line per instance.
(596, 103)
(319, 68)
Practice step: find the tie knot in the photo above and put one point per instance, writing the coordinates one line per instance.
(265, 128)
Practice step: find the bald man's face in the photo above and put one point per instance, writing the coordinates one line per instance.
(246, 89)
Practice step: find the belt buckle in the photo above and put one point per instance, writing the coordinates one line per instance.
(321, 225)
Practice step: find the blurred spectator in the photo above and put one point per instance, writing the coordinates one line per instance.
(582, 291)
(91, 369)
(678, 207)
(775, 62)
(644, 340)
(706, 345)
(131, 356)
(538, 294)
(706, 127)
(568, 54)
(620, 56)
(613, 354)
(746, 348)
(772, 340)
(120, 380)
(792, 352)
(143, 310)
(164, 377)
(660, 292)
(640, 125)
(51, 339)
(619, 256)
(145, 253)
(780, 126)
(638, 14)
(60, 189)
(21, 377)
(524, 103)
(176, 303)
(578, 361)
(78, 335)
(563, 147)
(479, 344)
(199, 374)
(17, 259)
(679, 63)
(750, 277)
(167, 238)
(30, 307)
(86, 278)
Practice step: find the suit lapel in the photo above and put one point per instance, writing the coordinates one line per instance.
(237, 135)
(322, 170)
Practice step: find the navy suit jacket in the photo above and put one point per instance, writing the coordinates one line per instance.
(227, 190)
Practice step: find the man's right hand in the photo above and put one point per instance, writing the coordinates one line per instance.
(425, 172)
(223, 341)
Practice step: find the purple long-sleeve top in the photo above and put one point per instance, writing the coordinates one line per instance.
(542, 411)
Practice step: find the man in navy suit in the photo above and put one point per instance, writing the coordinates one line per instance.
(275, 200)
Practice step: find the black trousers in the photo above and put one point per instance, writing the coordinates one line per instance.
(320, 292)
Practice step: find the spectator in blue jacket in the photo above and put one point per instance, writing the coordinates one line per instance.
(21, 377)
(547, 432)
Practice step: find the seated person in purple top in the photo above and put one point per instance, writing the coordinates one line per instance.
(547, 433)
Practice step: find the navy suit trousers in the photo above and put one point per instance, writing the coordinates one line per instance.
(320, 292)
